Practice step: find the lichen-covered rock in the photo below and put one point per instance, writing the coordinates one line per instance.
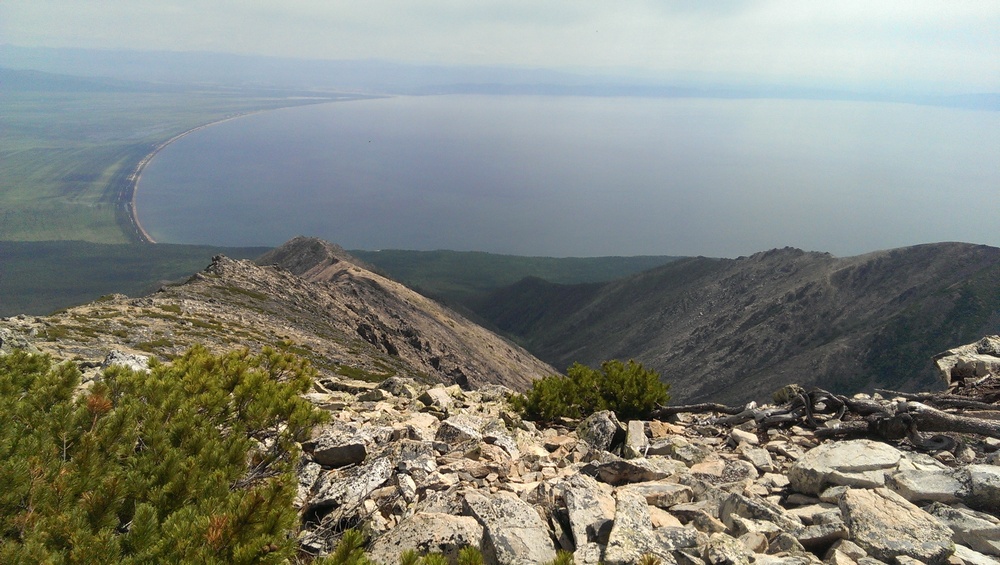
(591, 509)
(132, 361)
(662, 494)
(726, 550)
(427, 532)
(858, 463)
(977, 530)
(926, 486)
(513, 532)
(887, 526)
(601, 430)
(984, 486)
(632, 533)
(459, 429)
(623, 471)
(636, 441)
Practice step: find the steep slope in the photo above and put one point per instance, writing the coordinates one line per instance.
(315, 301)
(737, 329)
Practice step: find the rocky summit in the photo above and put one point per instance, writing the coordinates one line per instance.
(441, 468)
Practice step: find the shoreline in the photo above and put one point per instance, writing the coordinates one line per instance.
(133, 179)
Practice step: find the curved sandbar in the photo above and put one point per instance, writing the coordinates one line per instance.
(128, 195)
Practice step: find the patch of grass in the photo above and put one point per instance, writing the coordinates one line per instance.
(55, 332)
(259, 296)
(153, 345)
(359, 374)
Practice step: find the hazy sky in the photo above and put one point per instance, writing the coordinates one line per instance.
(931, 45)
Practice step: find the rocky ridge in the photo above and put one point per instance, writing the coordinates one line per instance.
(441, 468)
(733, 330)
(309, 297)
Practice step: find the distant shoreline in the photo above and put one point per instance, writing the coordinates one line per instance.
(133, 179)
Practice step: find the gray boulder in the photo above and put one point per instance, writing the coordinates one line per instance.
(632, 533)
(590, 507)
(513, 532)
(858, 463)
(132, 361)
(427, 532)
(888, 526)
(636, 441)
(977, 530)
(601, 430)
(984, 486)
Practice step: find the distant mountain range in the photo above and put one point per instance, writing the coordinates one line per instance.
(127, 70)
(736, 329)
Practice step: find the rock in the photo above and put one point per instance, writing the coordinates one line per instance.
(725, 550)
(739, 437)
(623, 471)
(132, 361)
(331, 451)
(636, 441)
(661, 494)
(632, 533)
(926, 486)
(590, 507)
(513, 532)
(437, 398)
(977, 530)
(822, 535)
(757, 509)
(858, 463)
(972, 557)
(427, 532)
(759, 458)
(887, 526)
(848, 548)
(984, 486)
(678, 448)
(970, 361)
(399, 386)
(601, 430)
(459, 429)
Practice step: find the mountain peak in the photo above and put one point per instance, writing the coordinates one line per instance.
(302, 254)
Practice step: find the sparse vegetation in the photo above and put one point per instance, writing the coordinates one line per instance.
(627, 389)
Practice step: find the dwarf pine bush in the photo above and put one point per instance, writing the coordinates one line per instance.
(190, 462)
(627, 389)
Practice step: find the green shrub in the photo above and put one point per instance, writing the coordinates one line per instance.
(627, 389)
(190, 462)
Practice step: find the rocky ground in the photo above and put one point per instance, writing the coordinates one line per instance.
(440, 468)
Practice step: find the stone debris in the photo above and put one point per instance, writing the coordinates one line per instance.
(436, 469)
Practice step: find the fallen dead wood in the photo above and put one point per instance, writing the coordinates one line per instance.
(922, 419)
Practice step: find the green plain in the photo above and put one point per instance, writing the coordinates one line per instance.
(65, 157)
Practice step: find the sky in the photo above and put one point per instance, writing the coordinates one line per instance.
(928, 46)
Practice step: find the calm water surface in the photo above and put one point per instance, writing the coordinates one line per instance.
(584, 176)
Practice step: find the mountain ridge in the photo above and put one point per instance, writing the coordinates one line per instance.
(736, 329)
(347, 320)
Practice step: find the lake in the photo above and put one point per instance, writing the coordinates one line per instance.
(580, 176)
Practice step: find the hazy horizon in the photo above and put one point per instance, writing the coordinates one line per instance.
(918, 46)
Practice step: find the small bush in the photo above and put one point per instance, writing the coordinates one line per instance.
(627, 389)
